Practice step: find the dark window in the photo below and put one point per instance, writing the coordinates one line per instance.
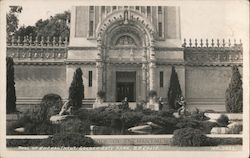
(160, 29)
(91, 29)
(103, 9)
(137, 8)
(125, 6)
(161, 78)
(90, 78)
(148, 10)
(114, 7)
(91, 8)
(159, 10)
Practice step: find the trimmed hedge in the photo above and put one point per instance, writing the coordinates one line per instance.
(68, 140)
(189, 137)
(57, 140)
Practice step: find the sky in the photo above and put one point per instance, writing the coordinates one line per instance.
(199, 19)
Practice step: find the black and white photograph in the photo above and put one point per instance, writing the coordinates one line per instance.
(125, 79)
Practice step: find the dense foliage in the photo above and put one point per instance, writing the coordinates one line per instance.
(37, 122)
(189, 137)
(174, 90)
(11, 92)
(55, 26)
(57, 140)
(12, 19)
(76, 90)
(68, 140)
(234, 93)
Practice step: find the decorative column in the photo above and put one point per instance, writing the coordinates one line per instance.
(99, 69)
(144, 74)
(152, 68)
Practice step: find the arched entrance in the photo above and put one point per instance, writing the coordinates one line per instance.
(125, 41)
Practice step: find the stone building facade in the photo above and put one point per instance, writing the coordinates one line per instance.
(125, 51)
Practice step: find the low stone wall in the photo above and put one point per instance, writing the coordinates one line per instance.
(130, 139)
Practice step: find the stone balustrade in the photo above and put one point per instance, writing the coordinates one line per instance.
(216, 53)
(38, 41)
(211, 43)
(45, 49)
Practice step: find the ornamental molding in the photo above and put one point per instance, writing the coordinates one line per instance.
(125, 17)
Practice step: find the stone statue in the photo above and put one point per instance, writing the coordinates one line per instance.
(66, 109)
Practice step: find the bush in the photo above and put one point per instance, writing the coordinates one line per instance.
(199, 116)
(189, 137)
(37, 122)
(152, 94)
(101, 94)
(223, 120)
(140, 105)
(76, 90)
(23, 142)
(204, 126)
(131, 118)
(75, 125)
(234, 93)
(167, 123)
(51, 104)
(174, 90)
(68, 140)
(57, 140)
(11, 92)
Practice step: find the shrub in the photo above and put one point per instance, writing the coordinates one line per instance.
(204, 126)
(167, 123)
(68, 140)
(223, 120)
(140, 105)
(75, 125)
(199, 116)
(50, 105)
(76, 90)
(174, 90)
(37, 122)
(101, 94)
(152, 94)
(189, 137)
(103, 116)
(234, 93)
(131, 118)
(23, 142)
(11, 92)
(57, 140)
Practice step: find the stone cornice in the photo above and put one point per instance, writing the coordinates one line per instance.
(79, 62)
(39, 63)
(82, 48)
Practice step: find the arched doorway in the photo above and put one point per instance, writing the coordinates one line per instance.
(125, 38)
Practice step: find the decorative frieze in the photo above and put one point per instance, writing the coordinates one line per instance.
(38, 49)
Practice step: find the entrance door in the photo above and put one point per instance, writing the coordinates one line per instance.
(125, 89)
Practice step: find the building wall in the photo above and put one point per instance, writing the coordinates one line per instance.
(34, 81)
(206, 86)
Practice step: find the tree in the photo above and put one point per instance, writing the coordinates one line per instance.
(234, 92)
(12, 19)
(174, 90)
(76, 90)
(57, 25)
(26, 31)
(11, 92)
